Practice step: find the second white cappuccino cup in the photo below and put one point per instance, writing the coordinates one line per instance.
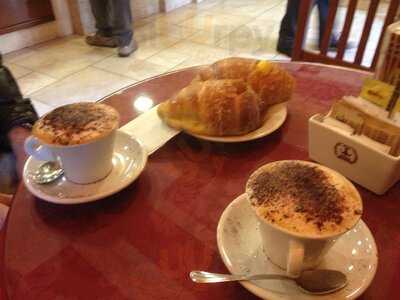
(286, 196)
(293, 253)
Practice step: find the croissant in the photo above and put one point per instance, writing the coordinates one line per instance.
(229, 97)
(214, 107)
(272, 83)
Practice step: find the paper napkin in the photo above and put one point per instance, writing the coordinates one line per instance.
(150, 130)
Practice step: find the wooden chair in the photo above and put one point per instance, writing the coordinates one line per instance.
(299, 54)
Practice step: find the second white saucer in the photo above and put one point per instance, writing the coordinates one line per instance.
(129, 160)
(239, 244)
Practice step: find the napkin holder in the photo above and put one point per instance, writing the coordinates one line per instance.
(371, 168)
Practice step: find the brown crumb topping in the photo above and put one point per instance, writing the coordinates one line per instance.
(77, 120)
(315, 197)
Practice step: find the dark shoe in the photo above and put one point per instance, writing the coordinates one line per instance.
(101, 41)
(127, 50)
(284, 50)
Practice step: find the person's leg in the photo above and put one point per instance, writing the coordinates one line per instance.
(287, 30)
(122, 21)
(323, 10)
(122, 27)
(101, 13)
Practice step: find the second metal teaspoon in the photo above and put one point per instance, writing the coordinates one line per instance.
(313, 281)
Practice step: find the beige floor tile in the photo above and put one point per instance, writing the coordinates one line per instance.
(176, 16)
(244, 8)
(193, 62)
(90, 84)
(144, 21)
(152, 30)
(70, 46)
(274, 14)
(252, 38)
(211, 37)
(179, 67)
(131, 67)
(33, 82)
(168, 58)
(268, 4)
(203, 57)
(58, 67)
(41, 108)
(177, 31)
(152, 46)
(265, 56)
(204, 5)
(17, 55)
(270, 55)
(145, 32)
(63, 57)
(200, 52)
(17, 71)
(208, 21)
(154, 20)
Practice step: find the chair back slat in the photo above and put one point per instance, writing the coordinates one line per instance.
(314, 57)
(333, 5)
(300, 54)
(390, 18)
(373, 7)
(344, 36)
(302, 20)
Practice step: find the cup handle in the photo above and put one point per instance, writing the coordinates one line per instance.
(37, 150)
(295, 258)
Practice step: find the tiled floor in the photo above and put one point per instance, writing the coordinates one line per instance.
(67, 70)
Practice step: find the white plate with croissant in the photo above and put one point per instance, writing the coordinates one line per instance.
(232, 100)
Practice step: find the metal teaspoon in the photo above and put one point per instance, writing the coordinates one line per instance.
(47, 172)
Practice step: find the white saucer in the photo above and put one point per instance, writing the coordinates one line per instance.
(274, 119)
(129, 160)
(239, 244)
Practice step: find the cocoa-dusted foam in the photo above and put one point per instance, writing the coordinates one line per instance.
(76, 124)
(305, 198)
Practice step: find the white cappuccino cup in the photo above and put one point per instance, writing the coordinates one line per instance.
(80, 137)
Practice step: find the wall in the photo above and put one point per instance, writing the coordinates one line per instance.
(38, 34)
(28, 37)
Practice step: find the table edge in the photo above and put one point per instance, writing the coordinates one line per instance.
(119, 91)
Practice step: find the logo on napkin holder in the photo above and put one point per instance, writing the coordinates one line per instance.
(346, 153)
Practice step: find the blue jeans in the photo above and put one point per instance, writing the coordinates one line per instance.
(287, 32)
(113, 18)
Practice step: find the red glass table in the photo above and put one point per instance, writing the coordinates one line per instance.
(142, 242)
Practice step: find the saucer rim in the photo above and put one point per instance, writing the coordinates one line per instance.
(79, 200)
(267, 294)
(282, 108)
